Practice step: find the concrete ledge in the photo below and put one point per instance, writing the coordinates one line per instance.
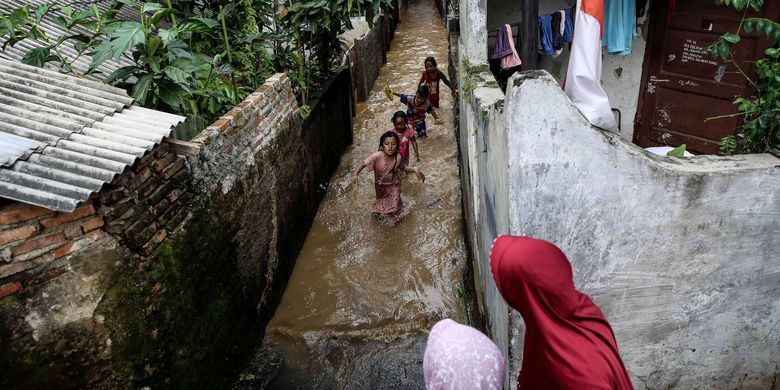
(681, 254)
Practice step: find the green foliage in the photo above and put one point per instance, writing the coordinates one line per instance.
(166, 73)
(760, 130)
(728, 145)
(196, 58)
(677, 152)
(22, 23)
(304, 112)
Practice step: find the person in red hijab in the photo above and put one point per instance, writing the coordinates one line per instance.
(568, 342)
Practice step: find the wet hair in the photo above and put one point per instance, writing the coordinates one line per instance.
(398, 114)
(386, 135)
(431, 60)
(423, 91)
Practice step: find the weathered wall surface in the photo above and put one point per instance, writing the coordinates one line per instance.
(191, 251)
(483, 183)
(680, 254)
(368, 53)
(53, 330)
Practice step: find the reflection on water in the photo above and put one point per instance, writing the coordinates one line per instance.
(363, 295)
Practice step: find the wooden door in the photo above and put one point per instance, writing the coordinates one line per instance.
(682, 85)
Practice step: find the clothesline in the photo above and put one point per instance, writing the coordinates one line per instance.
(495, 30)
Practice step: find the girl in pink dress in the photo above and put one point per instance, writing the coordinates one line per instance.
(387, 165)
(405, 135)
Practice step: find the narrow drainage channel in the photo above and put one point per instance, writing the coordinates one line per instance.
(363, 296)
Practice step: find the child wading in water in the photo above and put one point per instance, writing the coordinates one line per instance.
(387, 165)
(405, 136)
(418, 106)
(431, 77)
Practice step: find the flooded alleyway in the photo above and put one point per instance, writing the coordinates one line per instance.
(362, 296)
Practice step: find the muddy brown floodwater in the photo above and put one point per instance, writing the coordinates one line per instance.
(362, 295)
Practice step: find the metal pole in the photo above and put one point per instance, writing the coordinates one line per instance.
(529, 35)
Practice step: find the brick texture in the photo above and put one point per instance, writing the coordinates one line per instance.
(17, 234)
(20, 212)
(10, 289)
(154, 189)
(143, 206)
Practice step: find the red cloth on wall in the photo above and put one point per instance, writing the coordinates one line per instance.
(568, 342)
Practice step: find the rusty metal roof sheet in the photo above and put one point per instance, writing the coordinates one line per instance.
(81, 62)
(62, 138)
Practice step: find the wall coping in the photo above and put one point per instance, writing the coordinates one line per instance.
(487, 96)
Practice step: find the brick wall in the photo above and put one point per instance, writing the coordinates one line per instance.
(140, 207)
(146, 203)
(232, 140)
(34, 239)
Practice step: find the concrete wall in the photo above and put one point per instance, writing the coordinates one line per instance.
(472, 43)
(680, 254)
(368, 52)
(192, 247)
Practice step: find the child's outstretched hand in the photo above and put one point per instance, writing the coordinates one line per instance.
(454, 94)
(353, 179)
(420, 175)
(388, 92)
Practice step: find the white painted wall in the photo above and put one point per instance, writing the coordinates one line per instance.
(680, 254)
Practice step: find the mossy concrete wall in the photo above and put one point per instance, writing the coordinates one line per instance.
(188, 315)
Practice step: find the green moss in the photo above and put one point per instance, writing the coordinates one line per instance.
(477, 69)
(25, 372)
(182, 317)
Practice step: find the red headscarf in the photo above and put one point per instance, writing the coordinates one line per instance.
(568, 342)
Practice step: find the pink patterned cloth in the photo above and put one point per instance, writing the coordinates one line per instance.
(512, 60)
(461, 357)
(405, 138)
(387, 182)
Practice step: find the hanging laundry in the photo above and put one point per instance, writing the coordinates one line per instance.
(568, 30)
(619, 26)
(505, 48)
(502, 48)
(562, 27)
(555, 27)
(512, 60)
(545, 34)
(583, 77)
(558, 26)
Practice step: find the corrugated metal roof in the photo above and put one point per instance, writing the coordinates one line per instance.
(13, 147)
(64, 137)
(82, 62)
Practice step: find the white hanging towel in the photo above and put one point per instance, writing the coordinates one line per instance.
(583, 76)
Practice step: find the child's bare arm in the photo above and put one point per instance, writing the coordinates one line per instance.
(422, 81)
(449, 84)
(416, 171)
(433, 113)
(357, 172)
(414, 146)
